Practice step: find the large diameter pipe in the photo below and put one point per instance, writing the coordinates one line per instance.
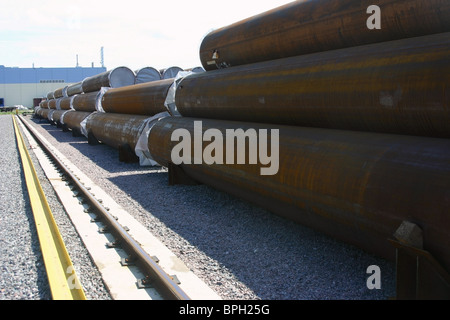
(116, 130)
(303, 27)
(147, 74)
(355, 186)
(52, 104)
(56, 115)
(141, 99)
(44, 104)
(115, 78)
(170, 73)
(74, 89)
(65, 103)
(393, 87)
(74, 119)
(86, 102)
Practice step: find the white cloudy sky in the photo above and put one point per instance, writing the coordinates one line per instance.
(134, 33)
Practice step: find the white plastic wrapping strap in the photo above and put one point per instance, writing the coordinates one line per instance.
(71, 102)
(170, 99)
(83, 125)
(98, 100)
(62, 116)
(64, 92)
(141, 149)
(50, 115)
(58, 104)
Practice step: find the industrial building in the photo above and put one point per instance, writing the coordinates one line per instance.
(27, 86)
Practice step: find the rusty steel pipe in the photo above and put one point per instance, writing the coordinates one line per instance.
(141, 99)
(76, 88)
(44, 104)
(115, 130)
(357, 187)
(303, 27)
(44, 113)
(56, 115)
(61, 92)
(52, 104)
(65, 103)
(74, 119)
(86, 102)
(393, 87)
(115, 78)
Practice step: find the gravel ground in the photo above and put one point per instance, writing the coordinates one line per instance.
(242, 251)
(22, 268)
(23, 271)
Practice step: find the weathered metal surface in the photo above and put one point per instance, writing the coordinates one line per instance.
(50, 95)
(116, 130)
(44, 113)
(115, 78)
(85, 102)
(76, 88)
(56, 115)
(73, 119)
(52, 104)
(44, 104)
(393, 87)
(303, 27)
(357, 187)
(141, 99)
(65, 103)
(61, 92)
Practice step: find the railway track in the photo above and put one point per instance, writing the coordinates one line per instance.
(154, 278)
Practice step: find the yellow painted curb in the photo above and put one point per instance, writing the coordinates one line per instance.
(64, 284)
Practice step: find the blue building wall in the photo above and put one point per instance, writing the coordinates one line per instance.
(42, 75)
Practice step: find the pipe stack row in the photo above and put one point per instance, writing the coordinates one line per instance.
(113, 107)
(363, 116)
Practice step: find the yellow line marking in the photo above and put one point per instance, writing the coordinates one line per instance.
(62, 278)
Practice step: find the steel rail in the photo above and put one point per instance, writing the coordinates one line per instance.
(159, 279)
(64, 284)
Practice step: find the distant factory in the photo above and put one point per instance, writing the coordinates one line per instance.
(27, 86)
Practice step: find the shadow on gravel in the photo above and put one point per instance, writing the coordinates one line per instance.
(276, 258)
(211, 220)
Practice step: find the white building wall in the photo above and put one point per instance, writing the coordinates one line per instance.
(23, 94)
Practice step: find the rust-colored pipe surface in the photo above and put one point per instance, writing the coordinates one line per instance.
(86, 102)
(141, 99)
(76, 88)
(115, 78)
(44, 104)
(65, 103)
(52, 104)
(397, 87)
(60, 93)
(44, 113)
(56, 116)
(73, 119)
(303, 27)
(115, 130)
(355, 186)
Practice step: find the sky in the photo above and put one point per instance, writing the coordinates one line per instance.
(133, 33)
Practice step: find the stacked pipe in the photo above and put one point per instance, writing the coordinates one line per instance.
(121, 114)
(363, 117)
